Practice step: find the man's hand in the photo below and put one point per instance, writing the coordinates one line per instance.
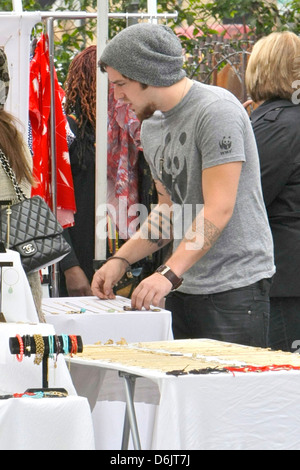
(77, 283)
(151, 291)
(107, 277)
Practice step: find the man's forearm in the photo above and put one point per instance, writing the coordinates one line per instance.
(155, 233)
(198, 240)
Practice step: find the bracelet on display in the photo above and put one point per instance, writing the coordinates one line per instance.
(21, 344)
(58, 348)
(38, 394)
(74, 347)
(28, 395)
(39, 349)
(51, 346)
(121, 259)
(27, 344)
(65, 339)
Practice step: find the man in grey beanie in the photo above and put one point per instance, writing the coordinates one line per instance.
(147, 53)
(202, 153)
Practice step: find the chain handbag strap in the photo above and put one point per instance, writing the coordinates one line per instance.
(11, 175)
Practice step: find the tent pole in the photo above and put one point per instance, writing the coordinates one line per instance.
(54, 282)
(101, 133)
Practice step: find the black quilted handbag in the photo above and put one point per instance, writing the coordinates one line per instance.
(30, 228)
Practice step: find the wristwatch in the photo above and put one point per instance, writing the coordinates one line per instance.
(170, 275)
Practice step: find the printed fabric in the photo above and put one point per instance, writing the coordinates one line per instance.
(122, 158)
(39, 113)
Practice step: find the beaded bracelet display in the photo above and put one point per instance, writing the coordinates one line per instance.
(45, 347)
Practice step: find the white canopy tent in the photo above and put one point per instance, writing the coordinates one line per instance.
(15, 31)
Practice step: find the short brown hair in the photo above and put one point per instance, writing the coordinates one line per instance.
(103, 66)
(273, 67)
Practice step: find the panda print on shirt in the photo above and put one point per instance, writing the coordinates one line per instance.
(171, 166)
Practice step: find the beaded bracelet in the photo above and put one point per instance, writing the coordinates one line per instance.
(65, 339)
(74, 347)
(21, 355)
(58, 349)
(51, 346)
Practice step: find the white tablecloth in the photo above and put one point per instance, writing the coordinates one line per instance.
(104, 320)
(47, 423)
(252, 411)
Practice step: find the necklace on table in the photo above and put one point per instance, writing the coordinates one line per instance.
(11, 278)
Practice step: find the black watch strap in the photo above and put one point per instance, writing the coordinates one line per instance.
(170, 275)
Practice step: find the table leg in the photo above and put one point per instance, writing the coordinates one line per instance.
(130, 423)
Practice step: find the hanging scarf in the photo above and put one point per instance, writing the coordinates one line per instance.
(39, 113)
(122, 158)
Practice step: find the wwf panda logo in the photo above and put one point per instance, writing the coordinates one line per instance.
(225, 143)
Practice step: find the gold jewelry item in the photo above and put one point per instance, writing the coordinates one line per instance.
(39, 349)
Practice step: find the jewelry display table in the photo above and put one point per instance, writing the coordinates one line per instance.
(39, 423)
(212, 395)
(96, 320)
(102, 320)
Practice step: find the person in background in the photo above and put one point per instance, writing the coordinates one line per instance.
(199, 144)
(80, 107)
(18, 154)
(271, 79)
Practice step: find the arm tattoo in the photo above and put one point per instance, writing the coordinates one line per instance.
(211, 234)
(202, 236)
(158, 227)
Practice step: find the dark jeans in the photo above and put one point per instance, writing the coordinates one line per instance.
(236, 316)
(285, 324)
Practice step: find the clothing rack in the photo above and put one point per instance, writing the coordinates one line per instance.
(60, 345)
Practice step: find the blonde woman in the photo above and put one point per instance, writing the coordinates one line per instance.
(271, 78)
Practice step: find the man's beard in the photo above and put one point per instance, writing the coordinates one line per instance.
(146, 112)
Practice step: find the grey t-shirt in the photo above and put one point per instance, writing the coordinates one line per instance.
(210, 127)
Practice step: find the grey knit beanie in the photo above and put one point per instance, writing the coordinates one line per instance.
(147, 53)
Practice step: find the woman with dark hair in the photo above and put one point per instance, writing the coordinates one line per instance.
(19, 157)
(80, 106)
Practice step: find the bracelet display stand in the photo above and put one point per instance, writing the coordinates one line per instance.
(59, 347)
